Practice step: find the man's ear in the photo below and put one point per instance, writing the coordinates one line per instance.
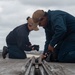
(29, 25)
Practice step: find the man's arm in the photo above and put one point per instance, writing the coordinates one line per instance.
(48, 38)
(23, 42)
(60, 30)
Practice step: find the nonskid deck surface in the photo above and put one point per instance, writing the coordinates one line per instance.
(34, 66)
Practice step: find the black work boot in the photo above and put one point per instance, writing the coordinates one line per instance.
(5, 51)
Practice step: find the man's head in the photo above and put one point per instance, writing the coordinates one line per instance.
(31, 25)
(40, 18)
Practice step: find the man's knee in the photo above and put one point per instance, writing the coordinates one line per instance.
(67, 57)
(16, 53)
(17, 56)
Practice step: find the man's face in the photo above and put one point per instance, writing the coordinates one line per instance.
(43, 22)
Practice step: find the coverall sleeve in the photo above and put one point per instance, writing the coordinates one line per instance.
(48, 38)
(60, 30)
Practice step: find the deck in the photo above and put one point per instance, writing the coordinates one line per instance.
(17, 67)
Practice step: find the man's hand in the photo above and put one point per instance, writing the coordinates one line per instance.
(43, 56)
(30, 46)
(50, 48)
(33, 48)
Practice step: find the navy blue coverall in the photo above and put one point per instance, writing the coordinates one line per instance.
(60, 31)
(18, 42)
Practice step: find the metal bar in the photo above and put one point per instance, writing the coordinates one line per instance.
(33, 60)
(56, 69)
(40, 61)
(42, 70)
(29, 68)
(46, 70)
(32, 71)
(26, 65)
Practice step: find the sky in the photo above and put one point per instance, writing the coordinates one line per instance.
(14, 13)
